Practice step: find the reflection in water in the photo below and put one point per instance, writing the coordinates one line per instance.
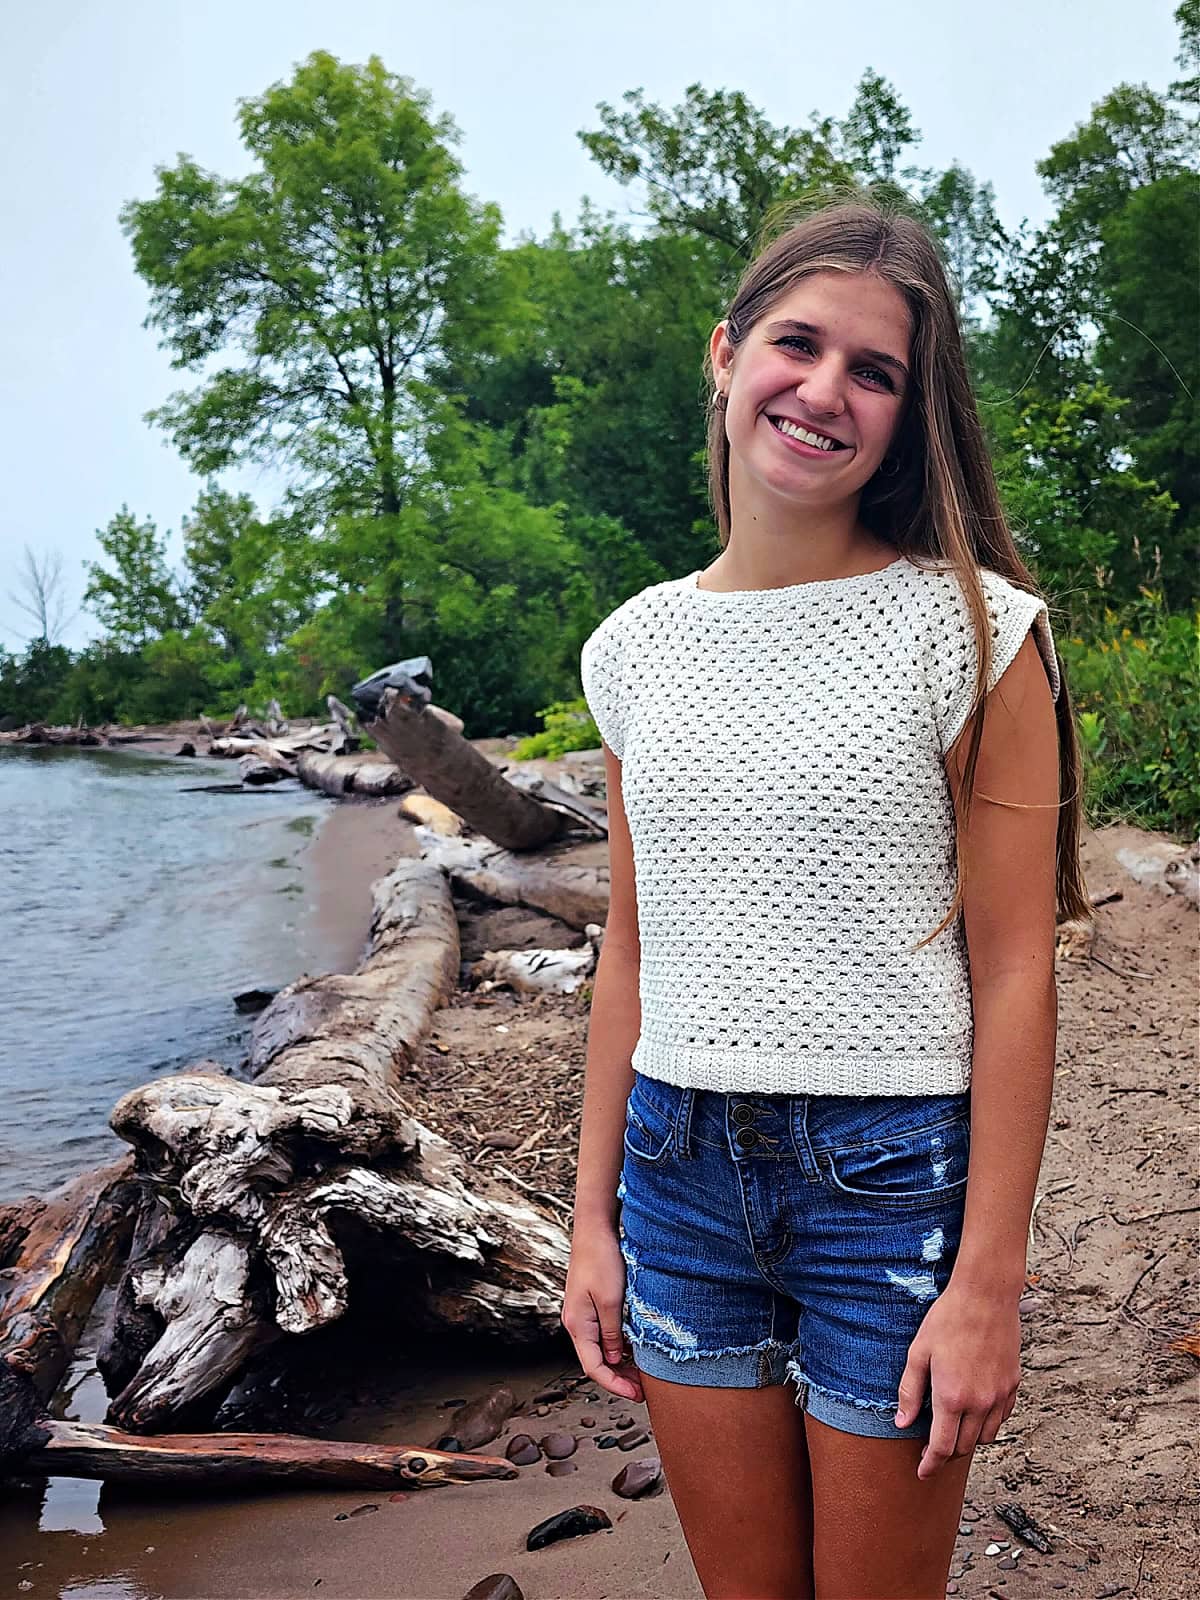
(132, 914)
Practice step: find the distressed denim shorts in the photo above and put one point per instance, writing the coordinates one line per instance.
(802, 1237)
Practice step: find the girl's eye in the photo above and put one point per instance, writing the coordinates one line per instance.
(796, 338)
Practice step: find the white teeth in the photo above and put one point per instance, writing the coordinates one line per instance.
(802, 433)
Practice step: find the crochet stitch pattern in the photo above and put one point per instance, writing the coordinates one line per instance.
(782, 770)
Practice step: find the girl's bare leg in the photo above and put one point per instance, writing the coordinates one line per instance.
(880, 1532)
(736, 1463)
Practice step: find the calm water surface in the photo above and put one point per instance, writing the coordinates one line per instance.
(131, 913)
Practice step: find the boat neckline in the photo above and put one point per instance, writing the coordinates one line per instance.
(786, 590)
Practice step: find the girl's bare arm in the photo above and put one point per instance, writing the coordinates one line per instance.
(1008, 911)
(612, 1028)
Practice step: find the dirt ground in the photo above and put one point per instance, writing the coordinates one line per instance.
(1099, 1452)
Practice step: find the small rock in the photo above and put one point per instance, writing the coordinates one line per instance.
(623, 1421)
(569, 1524)
(498, 1586)
(592, 1399)
(450, 1443)
(558, 1446)
(1058, 1583)
(542, 1411)
(501, 1141)
(1110, 1589)
(970, 1514)
(965, 1529)
(549, 1396)
(952, 1587)
(631, 1441)
(587, 1422)
(522, 1451)
(359, 1511)
(639, 1478)
(607, 1441)
(996, 1547)
(1006, 1564)
(559, 1469)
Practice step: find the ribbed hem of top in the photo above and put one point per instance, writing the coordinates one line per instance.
(801, 1072)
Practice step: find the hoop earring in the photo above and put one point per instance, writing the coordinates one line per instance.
(884, 471)
(719, 399)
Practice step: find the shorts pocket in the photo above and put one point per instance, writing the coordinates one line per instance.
(907, 1170)
(649, 1130)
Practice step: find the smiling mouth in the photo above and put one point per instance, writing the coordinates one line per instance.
(809, 436)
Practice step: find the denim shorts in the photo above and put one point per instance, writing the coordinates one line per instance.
(802, 1237)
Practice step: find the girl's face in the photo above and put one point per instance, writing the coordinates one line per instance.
(843, 374)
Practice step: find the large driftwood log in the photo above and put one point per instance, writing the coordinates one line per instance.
(365, 772)
(277, 1176)
(447, 766)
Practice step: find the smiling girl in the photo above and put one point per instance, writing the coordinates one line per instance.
(844, 809)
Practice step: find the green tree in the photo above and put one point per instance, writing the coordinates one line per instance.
(134, 597)
(325, 274)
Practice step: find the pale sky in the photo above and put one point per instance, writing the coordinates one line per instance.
(96, 95)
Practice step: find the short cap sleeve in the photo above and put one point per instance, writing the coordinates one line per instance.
(1013, 611)
(601, 669)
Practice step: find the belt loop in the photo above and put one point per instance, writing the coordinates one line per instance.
(683, 1122)
(804, 1149)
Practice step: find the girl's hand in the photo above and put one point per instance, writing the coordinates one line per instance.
(591, 1312)
(969, 1348)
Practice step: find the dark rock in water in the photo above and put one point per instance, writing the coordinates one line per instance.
(607, 1441)
(499, 1586)
(558, 1446)
(522, 1451)
(480, 1420)
(559, 1469)
(639, 1478)
(630, 1441)
(187, 748)
(566, 1525)
(254, 999)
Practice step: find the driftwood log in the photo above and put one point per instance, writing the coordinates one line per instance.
(59, 1266)
(366, 772)
(574, 892)
(435, 755)
(270, 1182)
(54, 1269)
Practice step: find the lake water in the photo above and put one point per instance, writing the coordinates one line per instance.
(131, 913)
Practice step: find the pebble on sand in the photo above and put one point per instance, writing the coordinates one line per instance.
(498, 1586)
(639, 1478)
(559, 1469)
(569, 1524)
(631, 1441)
(522, 1451)
(558, 1446)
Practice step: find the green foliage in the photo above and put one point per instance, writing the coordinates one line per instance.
(568, 726)
(1135, 682)
(134, 597)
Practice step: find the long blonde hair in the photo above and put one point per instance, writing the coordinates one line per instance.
(941, 503)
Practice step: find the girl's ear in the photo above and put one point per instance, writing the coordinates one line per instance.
(719, 348)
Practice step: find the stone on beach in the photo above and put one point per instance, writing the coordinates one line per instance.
(569, 1524)
(639, 1478)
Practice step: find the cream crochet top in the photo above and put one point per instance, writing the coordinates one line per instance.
(782, 769)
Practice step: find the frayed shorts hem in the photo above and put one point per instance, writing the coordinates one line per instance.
(766, 1365)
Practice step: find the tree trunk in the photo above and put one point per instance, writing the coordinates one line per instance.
(365, 772)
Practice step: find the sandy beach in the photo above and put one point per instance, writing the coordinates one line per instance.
(1099, 1451)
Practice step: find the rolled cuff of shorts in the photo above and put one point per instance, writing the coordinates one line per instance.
(847, 1416)
(736, 1369)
